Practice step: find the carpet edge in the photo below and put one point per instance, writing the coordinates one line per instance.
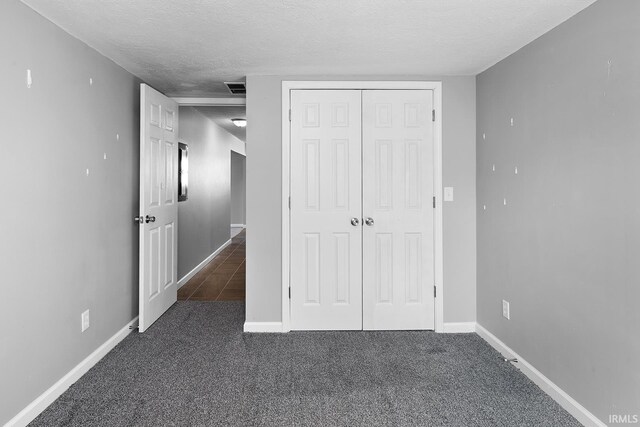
(42, 402)
(579, 412)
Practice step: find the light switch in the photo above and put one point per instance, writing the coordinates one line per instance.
(448, 194)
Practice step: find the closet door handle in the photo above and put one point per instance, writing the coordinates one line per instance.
(355, 222)
(369, 221)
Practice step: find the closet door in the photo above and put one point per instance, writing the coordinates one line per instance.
(326, 234)
(398, 186)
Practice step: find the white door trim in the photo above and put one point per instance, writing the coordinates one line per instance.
(210, 102)
(287, 86)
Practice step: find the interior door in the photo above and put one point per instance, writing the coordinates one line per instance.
(326, 234)
(158, 205)
(398, 230)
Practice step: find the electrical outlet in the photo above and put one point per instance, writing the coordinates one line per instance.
(85, 320)
(448, 194)
(505, 310)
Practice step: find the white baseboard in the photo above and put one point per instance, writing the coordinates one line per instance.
(555, 392)
(238, 226)
(459, 327)
(41, 403)
(200, 266)
(263, 327)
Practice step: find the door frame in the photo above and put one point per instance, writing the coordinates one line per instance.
(287, 87)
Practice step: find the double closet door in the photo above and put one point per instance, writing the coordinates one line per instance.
(362, 217)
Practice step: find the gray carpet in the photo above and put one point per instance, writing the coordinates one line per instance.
(195, 367)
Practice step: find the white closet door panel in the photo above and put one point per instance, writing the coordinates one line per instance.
(398, 186)
(326, 249)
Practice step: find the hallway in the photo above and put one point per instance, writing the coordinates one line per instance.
(223, 279)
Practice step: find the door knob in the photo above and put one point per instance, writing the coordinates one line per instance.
(355, 222)
(138, 219)
(369, 221)
(149, 219)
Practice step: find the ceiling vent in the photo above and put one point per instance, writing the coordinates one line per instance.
(236, 88)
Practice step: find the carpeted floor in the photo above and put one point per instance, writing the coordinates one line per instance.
(195, 367)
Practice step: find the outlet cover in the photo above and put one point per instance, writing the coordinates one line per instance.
(505, 310)
(448, 194)
(85, 320)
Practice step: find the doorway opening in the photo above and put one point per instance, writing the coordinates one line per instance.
(219, 171)
(186, 248)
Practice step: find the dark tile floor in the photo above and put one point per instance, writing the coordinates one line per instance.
(223, 279)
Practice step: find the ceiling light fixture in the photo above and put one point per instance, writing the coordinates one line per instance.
(241, 123)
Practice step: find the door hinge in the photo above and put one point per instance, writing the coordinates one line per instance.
(434, 202)
(433, 115)
(289, 114)
(434, 292)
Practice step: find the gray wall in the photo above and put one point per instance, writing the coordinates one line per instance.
(264, 198)
(204, 218)
(564, 251)
(238, 189)
(68, 240)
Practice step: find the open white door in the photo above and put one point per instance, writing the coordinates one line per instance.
(158, 205)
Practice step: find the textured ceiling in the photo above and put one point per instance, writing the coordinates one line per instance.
(222, 117)
(188, 47)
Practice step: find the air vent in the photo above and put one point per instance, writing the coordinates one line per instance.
(237, 88)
